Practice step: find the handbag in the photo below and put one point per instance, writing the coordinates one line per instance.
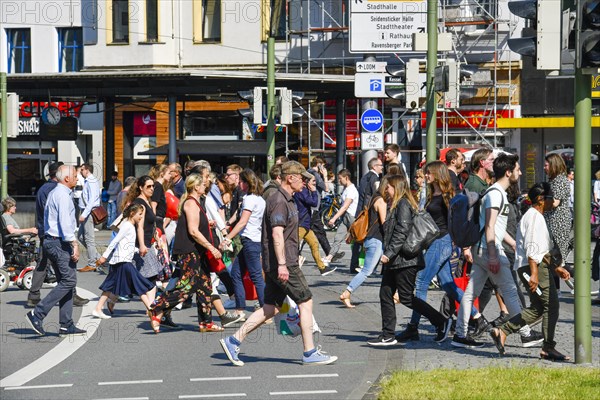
(360, 227)
(423, 232)
(99, 215)
(553, 258)
(216, 265)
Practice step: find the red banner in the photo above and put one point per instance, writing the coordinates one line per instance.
(144, 123)
(29, 109)
(468, 118)
(352, 133)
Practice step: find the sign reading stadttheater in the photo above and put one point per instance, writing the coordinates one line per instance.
(385, 26)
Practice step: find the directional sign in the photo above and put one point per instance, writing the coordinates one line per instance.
(371, 140)
(366, 66)
(385, 26)
(369, 85)
(371, 120)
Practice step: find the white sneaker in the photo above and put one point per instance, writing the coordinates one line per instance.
(301, 260)
(100, 315)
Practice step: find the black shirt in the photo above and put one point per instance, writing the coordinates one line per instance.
(184, 243)
(376, 228)
(458, 186)
(439, 212)
(149, 222)
(161, 203)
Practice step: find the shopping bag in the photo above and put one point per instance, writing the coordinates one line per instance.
(287, 320)
(462, 281)
(249, 287)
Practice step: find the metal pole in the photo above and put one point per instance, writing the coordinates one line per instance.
(366, 155)
(432, 45)
(583, 166)
(340, 136)
(4, 140)
(173, 129)
(270, 102)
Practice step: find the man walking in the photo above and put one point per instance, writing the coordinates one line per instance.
(90, 198)
(455, 160)
(283, 276)
(488, 255)
(62, 250)
(482, 166)
(114, 188)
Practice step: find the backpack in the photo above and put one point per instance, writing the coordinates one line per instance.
(360, 227)
(463, 217)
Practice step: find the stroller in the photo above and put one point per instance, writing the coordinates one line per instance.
(21, 254)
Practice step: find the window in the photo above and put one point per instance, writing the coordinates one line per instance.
(207, 21)
(274, 21)
(152, 20)
(19, 50)
(120, 21)
(70, 49)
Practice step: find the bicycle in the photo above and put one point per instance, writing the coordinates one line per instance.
(330, 205)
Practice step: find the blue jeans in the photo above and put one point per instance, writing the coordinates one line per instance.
(373, 252)
(59, 253)
(248, 260)
(437, 262)
(112, 212)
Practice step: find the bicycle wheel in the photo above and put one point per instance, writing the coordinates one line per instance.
(327, 214)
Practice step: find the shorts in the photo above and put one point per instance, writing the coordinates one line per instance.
(296, 287)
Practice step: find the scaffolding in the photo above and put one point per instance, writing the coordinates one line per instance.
(318, 43)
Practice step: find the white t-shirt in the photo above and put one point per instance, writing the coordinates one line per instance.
(351, 192)
(256, 205)
(495, 199)
(533, 238)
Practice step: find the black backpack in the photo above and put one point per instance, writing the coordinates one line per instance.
(463, 217)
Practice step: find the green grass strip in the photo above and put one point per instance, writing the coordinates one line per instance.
(494, 383)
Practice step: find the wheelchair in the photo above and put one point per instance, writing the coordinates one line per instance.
(21, 254)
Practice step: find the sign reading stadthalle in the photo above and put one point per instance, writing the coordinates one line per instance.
(385, 26)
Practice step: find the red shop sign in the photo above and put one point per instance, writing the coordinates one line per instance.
(465, 119)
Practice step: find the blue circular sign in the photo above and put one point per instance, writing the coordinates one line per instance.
(371, 120)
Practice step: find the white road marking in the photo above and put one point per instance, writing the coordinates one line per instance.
(127, 398)
(130, 382)
(210, 396)
(303, 392)
(60, 352)
(221, 378)
(307, 376)
(37, 387)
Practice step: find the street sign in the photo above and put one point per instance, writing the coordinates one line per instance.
(371, 120)
(369, 85)
(366, 66)
(371, 140)
(385, 26)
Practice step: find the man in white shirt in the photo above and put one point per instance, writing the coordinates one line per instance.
(90, 198)
(346, 212)
(489, 258)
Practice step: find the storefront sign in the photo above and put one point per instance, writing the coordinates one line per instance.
(30, 109)
(144, 133)
(29, 126)
(467, 119)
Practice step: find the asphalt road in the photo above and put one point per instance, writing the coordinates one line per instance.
(123, 358)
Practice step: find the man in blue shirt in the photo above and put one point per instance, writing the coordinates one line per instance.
(40, 272)
(62, 250)
(90, 198)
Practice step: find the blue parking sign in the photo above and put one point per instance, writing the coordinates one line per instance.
(375, 85)
(371, 120)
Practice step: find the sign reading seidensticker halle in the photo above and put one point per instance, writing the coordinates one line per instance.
(386, 26)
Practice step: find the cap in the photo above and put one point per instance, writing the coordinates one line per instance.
(294, 167)
(53, 168)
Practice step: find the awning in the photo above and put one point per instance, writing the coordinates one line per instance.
(214, 148)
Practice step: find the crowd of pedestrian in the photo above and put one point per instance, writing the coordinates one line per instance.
(180, 231)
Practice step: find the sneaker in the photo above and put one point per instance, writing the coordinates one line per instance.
(504, 317)
(442, 331)
(411, 333)
(325, 261)
(241, 314)
(232, 351)
(535, 338)
(79, 301)
(167, 322)
(301, 260)
(338, 256)
(481, 326)
(100, 315)
(32, 302)
(228, 319)
(72, 330)
(382, 341)
(257, 306)
(123, 299)
(318, 357)
(35, 323)
(465, 342)
(327, 270)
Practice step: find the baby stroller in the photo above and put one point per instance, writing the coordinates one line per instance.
(20, 253)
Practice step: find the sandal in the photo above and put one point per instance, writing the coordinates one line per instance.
(154, 321)
(554, 355)
(210, 327)
(396, 298)
(345, 298)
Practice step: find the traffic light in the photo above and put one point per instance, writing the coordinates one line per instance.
(452, 82)
(587, 47)
(404, 83)
(285, 108)
(255, 98)
(545, 17)
(12, 117)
